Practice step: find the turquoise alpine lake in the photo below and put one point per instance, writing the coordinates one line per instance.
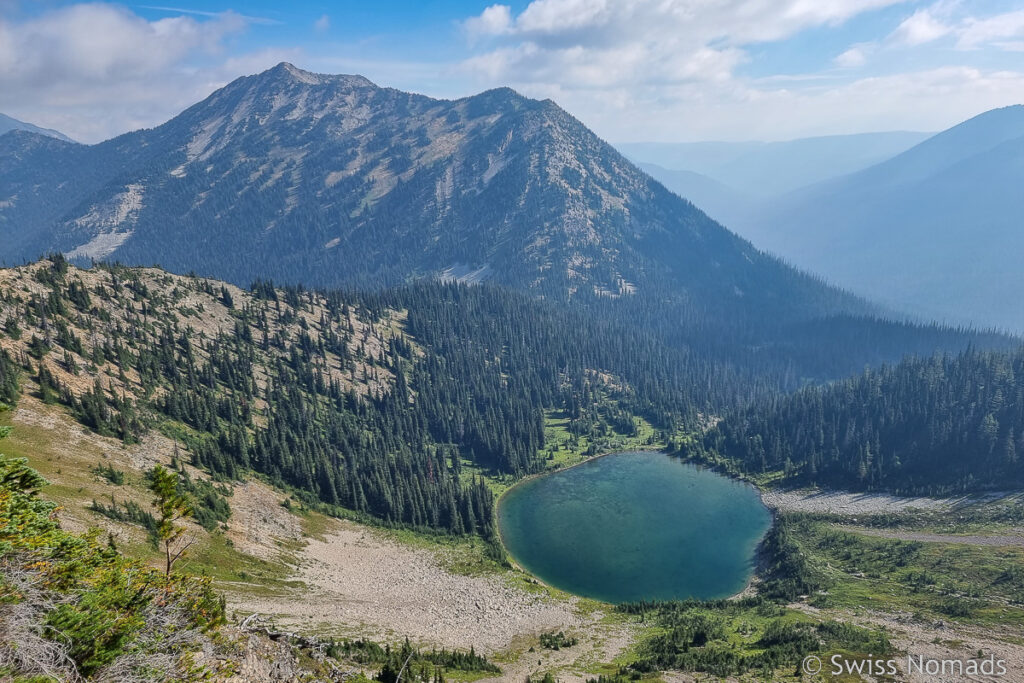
(635, 526)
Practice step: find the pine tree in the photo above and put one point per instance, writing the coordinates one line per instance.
(172, 506)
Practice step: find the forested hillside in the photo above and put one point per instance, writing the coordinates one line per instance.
(948, 423)
(384, 404)
(373, 403)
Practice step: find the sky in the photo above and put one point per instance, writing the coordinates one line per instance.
(632, 70)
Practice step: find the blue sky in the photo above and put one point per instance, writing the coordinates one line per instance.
(672, 70)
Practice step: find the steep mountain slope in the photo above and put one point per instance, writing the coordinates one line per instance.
(96, 606)
(762, 169)
(331, 180)
(936, 229)
(8, 124)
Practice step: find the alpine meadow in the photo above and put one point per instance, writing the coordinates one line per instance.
(309, 378)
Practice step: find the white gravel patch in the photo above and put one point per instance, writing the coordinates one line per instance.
(360, 581)
(847, 503)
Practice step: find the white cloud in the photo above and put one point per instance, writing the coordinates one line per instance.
(323, 24)
(96, 70)
(931, 99)
(98, 41)
(919, 28)
(854, 57)
(587, 43)
(1000, 31)
(932, 23)
(558, 16)
(266, 21)
(736, 21)
(495, 20)
(668, 69)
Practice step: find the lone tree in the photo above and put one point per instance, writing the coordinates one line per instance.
(172, 507)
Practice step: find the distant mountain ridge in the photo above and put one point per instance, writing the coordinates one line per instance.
(936, 230)
(331, 180)
(8, 123)
(720, 201)
(764, 169)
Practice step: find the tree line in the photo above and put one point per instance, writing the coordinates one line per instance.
(935, 425)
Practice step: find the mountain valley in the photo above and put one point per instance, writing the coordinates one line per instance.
(312, 331)
(933, 231)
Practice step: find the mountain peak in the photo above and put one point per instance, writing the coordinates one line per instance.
(291, 73)
(503, 91)
(332, 181)
(289, 70)
(251, 105)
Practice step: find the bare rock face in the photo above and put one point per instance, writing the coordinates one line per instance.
(266, 660)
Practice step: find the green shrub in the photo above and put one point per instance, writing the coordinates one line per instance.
(110, 473)
(79, 604)
(556, 641)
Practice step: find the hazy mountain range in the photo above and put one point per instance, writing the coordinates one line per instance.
(764, 169)
(720, 201)
(937, 229)
(733, 181)
(933, 229)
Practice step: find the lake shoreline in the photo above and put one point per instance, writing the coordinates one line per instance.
(686, 531)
